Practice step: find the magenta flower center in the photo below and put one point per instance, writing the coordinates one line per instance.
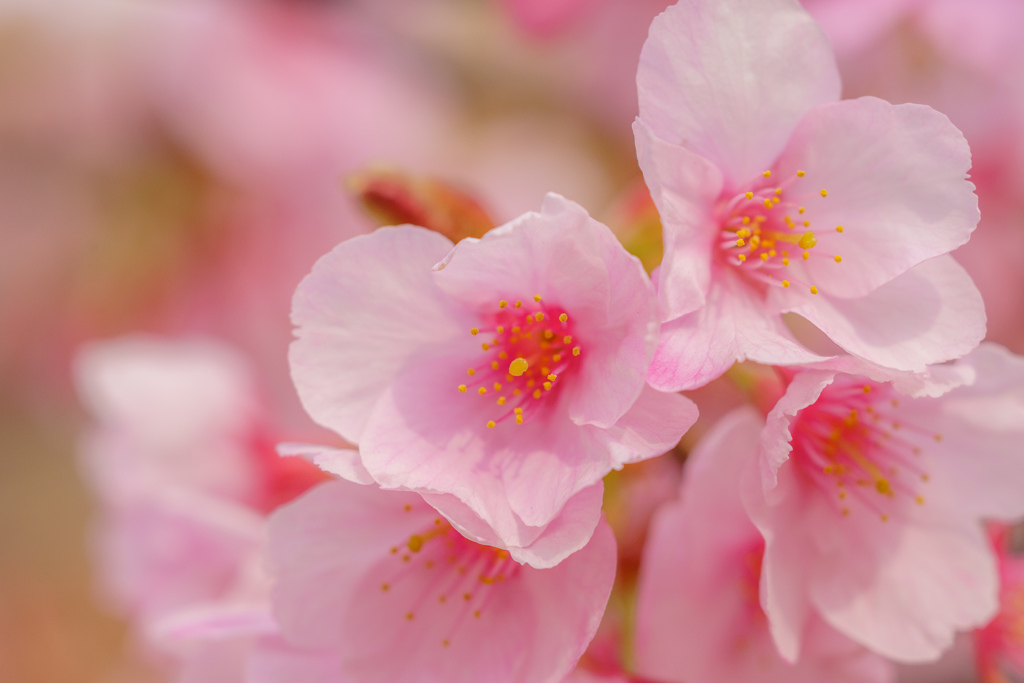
(528, 350)
(765, 230)
(446, 573)
(855, 446)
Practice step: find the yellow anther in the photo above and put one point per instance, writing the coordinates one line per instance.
(516, 329)
(771, 252)
(519, 419)
(409, 616)
(518, 411)
(490, 424)
(746, 220)
(557, 357)
(785, 283)
(547, 386)
(807, 240)
(517, 367)
(839, 259)
(884, 518)
(471, 372)
(767, 174)
(824, 193)
(801, 210)
(502, 355)
(749, 195)
(807, 224)
(740, 242)
(539, 316)
(519, 304)
(536, 297)
(839, 228)
(778, 191)
(445, 642)
(563, 318)
(883, 487)
(485, 346)
(764, 256)
(785, 261)
(768, 203)
(384, 587)
(548, 334)
(501, 329)
(536, 393)
(475, 331)
(501, 400)
(497, 386)
(567, 339)
(743, 232)
(575, 350)
(806, 255)
(494, 365)
(920, 500)
(463, 388)
(552, 377)
(482, 390)
(814, 290)
(516, 392)
(502, 304)
(742, 257)
(415, 543)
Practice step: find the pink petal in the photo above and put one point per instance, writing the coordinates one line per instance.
(732, 326)
(574, 262)
(896, 177)
(776, 440)
(540, 547)
(365, 307)
(652, 426)
(930, 314)
(684, 187)
(344, 462)
(936, 580)
(730, 79)
(978, 465)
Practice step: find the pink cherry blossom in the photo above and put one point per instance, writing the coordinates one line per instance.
(501, 378)
(777, 198)
(698, 615)
(870, 492)
(1000, 644)
(184, 471)
(381, 579)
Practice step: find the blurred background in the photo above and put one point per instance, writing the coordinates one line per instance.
(176, 167)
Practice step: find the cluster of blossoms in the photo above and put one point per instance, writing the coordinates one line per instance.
(483, 390)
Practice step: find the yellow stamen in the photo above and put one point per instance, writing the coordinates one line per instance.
(767, 174)
(742, 257)
(800, 174)
(807, 240)
(517, 367)
(463, 388)
(501, 400)
(824, 193)
(839, 259)
(814, 290)
(536, 297)
(567, 339)
(482, 390)
(552, 377)
(490, 424)
(475, 331)
(471, 372)
(575, 350)
(785, 283)
(749, 195)
(563, 318)
(839, 228)
(502, 304)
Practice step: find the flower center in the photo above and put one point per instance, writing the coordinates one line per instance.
(765, 227)
(855, 446)
(528, 349)
(445, 577)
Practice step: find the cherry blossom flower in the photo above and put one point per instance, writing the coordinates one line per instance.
(870, 490)
(698, 615)
(777, 198)
(502, 378)
(381, 579)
